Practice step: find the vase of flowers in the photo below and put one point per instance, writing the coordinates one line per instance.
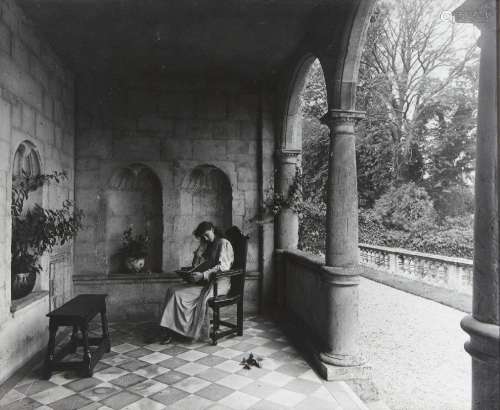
(37, 230)
(135, 250)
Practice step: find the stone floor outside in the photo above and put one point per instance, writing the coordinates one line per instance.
(140, 376)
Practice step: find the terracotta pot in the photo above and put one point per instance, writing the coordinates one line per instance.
(135, 264)
(22, 284)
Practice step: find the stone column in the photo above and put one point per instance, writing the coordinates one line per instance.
(288, 220)
(340, 275)
(483, 326)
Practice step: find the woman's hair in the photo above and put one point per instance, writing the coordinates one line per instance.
(207, 226)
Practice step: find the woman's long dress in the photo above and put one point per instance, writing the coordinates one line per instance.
(185, 309)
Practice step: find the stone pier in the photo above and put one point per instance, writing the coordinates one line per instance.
(340, 276)
(483, 325)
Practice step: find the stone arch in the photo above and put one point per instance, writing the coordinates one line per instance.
(26, 160)
(291, 138)
(206, 195)
(133, 198)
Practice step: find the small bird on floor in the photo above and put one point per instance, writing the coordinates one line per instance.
(247, 363)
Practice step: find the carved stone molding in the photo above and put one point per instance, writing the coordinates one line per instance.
(336, 117)
(288, 156)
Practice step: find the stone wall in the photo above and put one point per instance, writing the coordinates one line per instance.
(36, 105)
(172, 125)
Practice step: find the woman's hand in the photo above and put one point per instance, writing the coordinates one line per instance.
(195, 277)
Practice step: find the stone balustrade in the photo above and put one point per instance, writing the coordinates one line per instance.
(442, 271)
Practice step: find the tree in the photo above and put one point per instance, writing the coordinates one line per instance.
(410, 59)
(450, 133)
(417, 85)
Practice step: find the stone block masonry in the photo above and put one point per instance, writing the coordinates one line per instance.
(172, 130)
(36, 105)
(173, 126)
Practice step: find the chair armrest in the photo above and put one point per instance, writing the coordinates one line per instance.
(228, 273)
(225, 274)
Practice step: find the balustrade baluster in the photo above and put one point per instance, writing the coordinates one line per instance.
(443, 275)
(406, 265)
(412, 266)
(420, 267)
(425, 272)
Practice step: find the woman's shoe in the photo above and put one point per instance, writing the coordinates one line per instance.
(166, 340)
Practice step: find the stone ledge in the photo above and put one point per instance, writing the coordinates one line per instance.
(20, 304)
(126, 278)
(139, 278)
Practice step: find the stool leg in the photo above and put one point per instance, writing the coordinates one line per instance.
(87, 356)
(105, 331)
(74, 339)
(49, 359)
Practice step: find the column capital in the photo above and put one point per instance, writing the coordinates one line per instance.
(288, 156)
(481, 13)
(335, 116)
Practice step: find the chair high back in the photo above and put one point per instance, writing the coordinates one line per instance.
(239, 243)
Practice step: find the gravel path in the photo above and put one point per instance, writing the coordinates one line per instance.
(415, 347)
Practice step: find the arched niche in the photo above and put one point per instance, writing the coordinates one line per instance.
(26, 164)
(134, 199)
(206, 195)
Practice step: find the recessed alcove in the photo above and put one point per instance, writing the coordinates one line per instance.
(206, 195)
(133, 199)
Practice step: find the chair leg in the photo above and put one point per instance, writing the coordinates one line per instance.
(215, 325)
(239, 323)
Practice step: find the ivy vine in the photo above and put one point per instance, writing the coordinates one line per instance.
(275, 202)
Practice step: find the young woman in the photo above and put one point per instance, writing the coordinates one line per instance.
(185, 309)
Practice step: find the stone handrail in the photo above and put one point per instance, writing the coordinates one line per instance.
(442, 271)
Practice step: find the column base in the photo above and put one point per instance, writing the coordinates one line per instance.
(358, 377)
(484, 348)
(342, 360)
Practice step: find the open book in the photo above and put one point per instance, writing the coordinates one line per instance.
(184, 271)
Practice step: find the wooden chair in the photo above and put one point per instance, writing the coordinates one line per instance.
(235, 295)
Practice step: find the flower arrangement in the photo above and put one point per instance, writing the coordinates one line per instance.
(135, 246)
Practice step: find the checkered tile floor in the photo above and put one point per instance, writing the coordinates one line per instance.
(183, 375)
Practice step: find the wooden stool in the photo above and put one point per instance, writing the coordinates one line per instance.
(78, 312)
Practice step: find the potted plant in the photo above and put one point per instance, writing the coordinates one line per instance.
(135, 250)
(37, 230)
